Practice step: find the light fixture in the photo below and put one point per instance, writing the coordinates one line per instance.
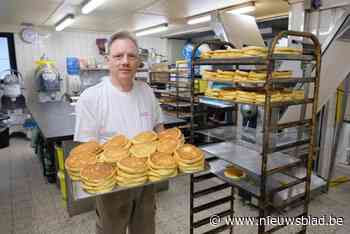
(152, 30)
(242, 8)
(91, 5)
(64, 22)
(198, 20)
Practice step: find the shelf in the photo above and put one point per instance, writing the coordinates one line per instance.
(272, 81)
(246, 158)
(249, 183)
(252, 60)
(217, 102)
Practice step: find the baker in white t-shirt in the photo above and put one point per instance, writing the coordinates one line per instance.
(120, 105)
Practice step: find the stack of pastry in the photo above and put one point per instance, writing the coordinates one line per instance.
(288, 50)
(118, 140)
(244, 96)
(76, 161)
(234, 173)
(255, 51)
(98, 177)
(230, 53)
(161, 166)
(189, 158)
(113, 154)
(225, 75)
(145, 137)
(209, 75)
(257, 76)
(170, 133)
(241, 76)
(282, 74)
(131, 171)
(298, 95)
(228, 94)
(143, 150)
(214, 93)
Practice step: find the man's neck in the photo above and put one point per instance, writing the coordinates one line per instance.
(125, 86)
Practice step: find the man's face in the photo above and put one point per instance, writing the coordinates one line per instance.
(123, 60)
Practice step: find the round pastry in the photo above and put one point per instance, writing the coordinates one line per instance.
(90, 146)
(161, 161)
(132, 165)
(145, 137)
(118, 140)
(234, 173)
(113, 154)
(143, 150)
(76, 162)
(97, 173)
(173, 133)
(168, 145)
(189, 154)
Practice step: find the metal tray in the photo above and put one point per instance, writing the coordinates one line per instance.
(246, 158)
(79, 193)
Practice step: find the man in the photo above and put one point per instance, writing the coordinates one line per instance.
(120, 105)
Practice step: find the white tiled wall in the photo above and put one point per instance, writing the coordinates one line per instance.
(59, 45)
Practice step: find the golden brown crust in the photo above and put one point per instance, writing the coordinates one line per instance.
(132, 165)
(174, 133)
(97, 172)
(76, 162)
(90, 146)
(168, 145)
(160, 160)
(189, 154)
(145, 137)
(143, 150)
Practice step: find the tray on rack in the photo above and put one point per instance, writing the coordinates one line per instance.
(252, 60)
(246, 158)
(79, 193)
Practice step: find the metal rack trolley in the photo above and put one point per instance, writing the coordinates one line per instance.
(270, 162)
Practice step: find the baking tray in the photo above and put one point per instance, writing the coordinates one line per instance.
(79, 193)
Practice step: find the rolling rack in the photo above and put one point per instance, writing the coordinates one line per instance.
(267, 165)
(208, 176)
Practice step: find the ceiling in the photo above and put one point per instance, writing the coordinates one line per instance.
(115, 15)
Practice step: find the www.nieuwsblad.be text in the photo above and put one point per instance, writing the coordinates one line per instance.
(324, 220)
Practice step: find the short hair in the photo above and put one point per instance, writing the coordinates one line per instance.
(121, 35)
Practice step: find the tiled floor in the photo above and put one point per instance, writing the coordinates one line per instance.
(28, 204)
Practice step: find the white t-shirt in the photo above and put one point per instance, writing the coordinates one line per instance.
(103, 111)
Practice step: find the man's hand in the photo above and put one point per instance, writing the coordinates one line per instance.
(159, 127)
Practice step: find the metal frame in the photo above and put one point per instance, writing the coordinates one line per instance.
(265, 205)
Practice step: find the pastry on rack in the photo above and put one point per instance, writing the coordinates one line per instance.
(241, 75)
(174, 133)
(234, 173)
(145, 137)
(282, 74)
(98, 177)
(255, 51)
(161, 166)
(131, 171)
(288, 51)
(209, 75)
(168, 145)
(189, 158)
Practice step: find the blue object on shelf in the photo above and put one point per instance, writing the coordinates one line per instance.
(73, 66)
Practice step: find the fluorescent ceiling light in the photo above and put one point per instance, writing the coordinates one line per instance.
(65, 22)
(152, 30)
(91, 5)
(200, 19)
(242, 9)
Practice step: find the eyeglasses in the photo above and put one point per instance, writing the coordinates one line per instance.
(120, 57)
